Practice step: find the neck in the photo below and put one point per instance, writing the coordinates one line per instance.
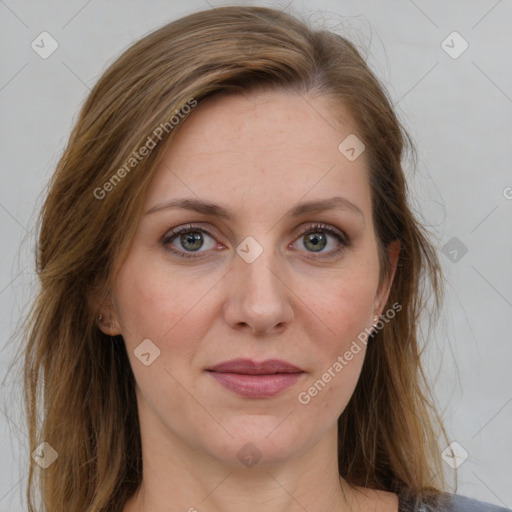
(194, 482)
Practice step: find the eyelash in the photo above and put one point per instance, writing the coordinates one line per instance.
(316, 228)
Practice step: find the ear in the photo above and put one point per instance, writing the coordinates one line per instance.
(393, 250)
(105, 313)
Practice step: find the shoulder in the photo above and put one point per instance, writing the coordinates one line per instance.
(449, 503)
(458, 503)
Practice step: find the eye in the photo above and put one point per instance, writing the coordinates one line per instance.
(316, 238)
(186, 241)
(189, 238)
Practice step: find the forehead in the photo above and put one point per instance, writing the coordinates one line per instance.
(262, 150)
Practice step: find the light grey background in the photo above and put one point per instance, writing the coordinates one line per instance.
(458, 111)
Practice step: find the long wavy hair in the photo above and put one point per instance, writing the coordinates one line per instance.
(79, 389)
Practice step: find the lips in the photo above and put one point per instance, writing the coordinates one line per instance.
(249, 367)
(256, 380)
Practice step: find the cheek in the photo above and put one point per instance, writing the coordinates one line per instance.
(345, 303)
(152, 303)
(354, 307)
(343, 313)
(173, 309)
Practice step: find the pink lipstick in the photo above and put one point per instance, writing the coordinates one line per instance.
(256, 380)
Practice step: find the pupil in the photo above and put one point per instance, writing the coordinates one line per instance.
(317, 240)
(196, 237)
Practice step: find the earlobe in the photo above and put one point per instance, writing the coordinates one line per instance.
(105, 314)
(107, 325)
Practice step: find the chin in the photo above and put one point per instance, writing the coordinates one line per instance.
(259, 441)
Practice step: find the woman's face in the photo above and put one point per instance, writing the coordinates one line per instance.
(260, 282)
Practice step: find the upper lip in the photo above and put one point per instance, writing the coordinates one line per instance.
(250, 367)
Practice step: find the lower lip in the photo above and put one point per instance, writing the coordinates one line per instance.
(257, 386)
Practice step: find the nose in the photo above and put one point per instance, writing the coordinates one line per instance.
(258, 297)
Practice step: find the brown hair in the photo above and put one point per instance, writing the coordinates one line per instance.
(388, 431)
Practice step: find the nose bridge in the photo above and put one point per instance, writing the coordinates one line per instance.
(255, 268)
(258, 295)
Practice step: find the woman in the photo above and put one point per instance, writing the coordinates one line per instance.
(230, 285)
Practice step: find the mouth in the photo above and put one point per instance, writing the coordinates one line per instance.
(250, 379)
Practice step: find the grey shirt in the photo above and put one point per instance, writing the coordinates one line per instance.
(452, 503)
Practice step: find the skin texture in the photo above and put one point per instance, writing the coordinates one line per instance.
(258, 155)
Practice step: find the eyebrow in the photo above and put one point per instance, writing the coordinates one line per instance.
(216, 210)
